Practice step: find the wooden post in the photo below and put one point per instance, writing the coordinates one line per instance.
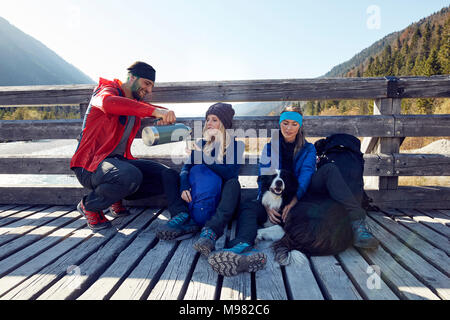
(386, 106)
(83, 108)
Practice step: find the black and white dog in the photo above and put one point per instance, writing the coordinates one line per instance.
(317, 225)
(277, 190)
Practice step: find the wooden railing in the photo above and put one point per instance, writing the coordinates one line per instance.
(383, 132)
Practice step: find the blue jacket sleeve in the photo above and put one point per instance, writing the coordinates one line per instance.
(184, 177)
(305, 169)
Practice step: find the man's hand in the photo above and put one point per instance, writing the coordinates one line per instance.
(288, 208)
(186, 196)
(166, 116)
(273, 215)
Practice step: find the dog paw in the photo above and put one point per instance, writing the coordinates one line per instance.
(272, 233)
(260, 235)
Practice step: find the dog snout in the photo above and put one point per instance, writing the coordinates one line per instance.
(279, 184)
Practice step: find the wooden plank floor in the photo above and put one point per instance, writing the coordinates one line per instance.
(47, 252)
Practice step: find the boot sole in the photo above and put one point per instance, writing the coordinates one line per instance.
(173, 235)
(122, 214)
(203, 249)
(228, 263)
(369, 246)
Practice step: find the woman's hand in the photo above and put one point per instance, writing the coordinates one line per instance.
(288, 208)
(274, 216)
(186, 196)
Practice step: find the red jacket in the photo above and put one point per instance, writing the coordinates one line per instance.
(105, 123)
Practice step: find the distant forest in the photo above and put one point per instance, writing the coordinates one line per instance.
(40, 113)
(422, 49)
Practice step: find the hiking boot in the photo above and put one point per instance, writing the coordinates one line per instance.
(179, 227)
(96, 220)
(118, 210)
(207, 241)
(240, 258)
(362, 237)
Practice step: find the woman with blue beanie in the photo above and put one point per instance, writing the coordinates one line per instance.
(206, 193)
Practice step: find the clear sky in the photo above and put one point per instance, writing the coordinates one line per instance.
(200, 40)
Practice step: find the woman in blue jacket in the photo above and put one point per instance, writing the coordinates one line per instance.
(206, 193)
(291, 152)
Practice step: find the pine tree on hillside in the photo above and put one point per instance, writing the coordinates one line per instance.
(426, 39)
(444, 50)
(432, 65)
(421, 49)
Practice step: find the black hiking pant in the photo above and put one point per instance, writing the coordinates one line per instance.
(326, 180)
(230, 198)
(118, 178)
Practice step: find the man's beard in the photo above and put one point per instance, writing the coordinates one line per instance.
(135, 92)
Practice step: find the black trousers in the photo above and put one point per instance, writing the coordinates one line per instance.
(226, 209)
(118, 178)
(327, 180)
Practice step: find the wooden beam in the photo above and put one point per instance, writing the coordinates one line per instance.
(243, 90)
(412, 197)
(46, 95)
(315, 126)
(437, 125)
(403, 197)
(385, 126)
(424, 87)
(375, 165)
(208, 91)
(421, 164)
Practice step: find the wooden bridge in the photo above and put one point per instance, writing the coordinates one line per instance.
(46, 251)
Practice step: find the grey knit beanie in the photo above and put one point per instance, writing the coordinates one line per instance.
(224, 111)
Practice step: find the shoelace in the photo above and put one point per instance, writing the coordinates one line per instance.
(95, 217)
(363, 231)
(178, 219)
(208, 233)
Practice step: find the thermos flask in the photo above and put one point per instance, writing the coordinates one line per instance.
(155, 135)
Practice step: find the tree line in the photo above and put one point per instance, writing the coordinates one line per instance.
(423, 49)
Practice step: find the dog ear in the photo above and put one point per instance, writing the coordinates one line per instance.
(265, 181)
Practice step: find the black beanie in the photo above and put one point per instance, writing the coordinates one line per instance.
(224, 112)
(142, 70)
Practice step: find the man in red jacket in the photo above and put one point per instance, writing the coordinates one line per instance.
(103, 162)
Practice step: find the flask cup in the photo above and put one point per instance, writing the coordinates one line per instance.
(155, 135)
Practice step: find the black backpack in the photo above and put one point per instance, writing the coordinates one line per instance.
(344, 150)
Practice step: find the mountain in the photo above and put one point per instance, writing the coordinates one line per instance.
(26, 61)
(259, 108)
(420, 49)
